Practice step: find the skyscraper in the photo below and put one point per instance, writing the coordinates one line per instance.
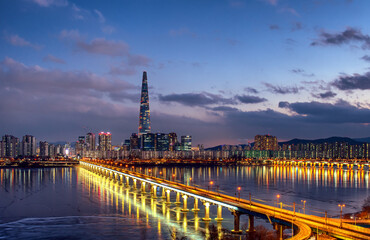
(105, 141)
(144, 118)
(186, 143)
(28, 146)
(90, 141)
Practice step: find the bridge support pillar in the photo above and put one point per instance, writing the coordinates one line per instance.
(120, 180)
(142, 188)
(280, 229)
(206, 212)
(163, 193)
(219, 213)
(251, 229)
(178, 198)
(154, 191)
(127, 182)
(195, 209)
(134, 184)
(168, 197)
(185, 207)
(236, 229)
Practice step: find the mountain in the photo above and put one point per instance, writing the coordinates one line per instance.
(354, 141)
(322, 140)
(366, 139)
(219, 147)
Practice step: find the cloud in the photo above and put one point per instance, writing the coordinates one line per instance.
(224, 109)
(302, 72)
(102, 46)
(51, 58)
(251, 90)
(347, 36)
(100, 16)
(289, 10)
(16, 40)
(271, 2)
(366, 58)
(70, 35)
(297, 26)
(274, 27)
(138, 60)
(250, 99)
(108, 29)
(122, 70)
(341, 112)
(42, 82)
(196, 99)
(49, 3)
(281, 90)
(352, 82)
(328, 94)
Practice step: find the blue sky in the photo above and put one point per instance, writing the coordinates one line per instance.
(221, 71)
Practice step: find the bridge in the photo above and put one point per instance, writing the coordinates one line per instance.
(349, 164)
(303, 225)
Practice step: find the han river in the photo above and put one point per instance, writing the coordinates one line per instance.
(74, 203)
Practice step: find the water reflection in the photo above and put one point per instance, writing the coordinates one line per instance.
(74, 202)
(322, 188)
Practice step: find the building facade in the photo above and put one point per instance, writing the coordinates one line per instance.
(144, 118)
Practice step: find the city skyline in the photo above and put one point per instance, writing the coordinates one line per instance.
(251, 67)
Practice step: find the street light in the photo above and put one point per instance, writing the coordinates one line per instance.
(341, 210)
(210, 183)
(277, 200)
(239, 188)
(304, 206)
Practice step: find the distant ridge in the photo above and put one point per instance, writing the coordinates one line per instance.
(351, 141)
(322, 140)
(366, 140)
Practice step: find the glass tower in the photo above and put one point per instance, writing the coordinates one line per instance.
(144, 121)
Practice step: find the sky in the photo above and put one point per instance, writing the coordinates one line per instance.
(220, 71)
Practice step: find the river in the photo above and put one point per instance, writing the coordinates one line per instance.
(73, 203)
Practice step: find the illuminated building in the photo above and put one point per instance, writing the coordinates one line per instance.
(90, 141)
(265, 142)
(28, 146)
(144, 118)
(105, 141)
(186, 143)
(161, 142)
(44, 149)
(134, 141)
(11, 145)
(80, 145)
(172, 137)
(147, 141)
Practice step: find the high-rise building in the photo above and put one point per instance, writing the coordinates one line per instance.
(147, 141)
(2, 149)
(28, 146)
(186, 143)
(144, 118)
(161, 142)
(134, 141)
(90, 141)
(172, 137)
(80, 145)
(44, 149)
(105, 141)
(265, 142)
(11, 146)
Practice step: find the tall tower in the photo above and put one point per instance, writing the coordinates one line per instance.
(144, 121)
